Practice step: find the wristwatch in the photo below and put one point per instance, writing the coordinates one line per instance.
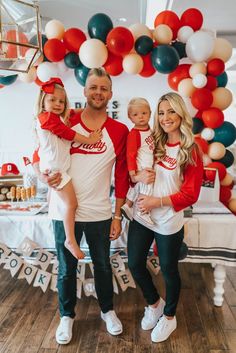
(118, 217)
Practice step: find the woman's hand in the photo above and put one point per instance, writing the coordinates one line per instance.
(146, 176)
(146, 203)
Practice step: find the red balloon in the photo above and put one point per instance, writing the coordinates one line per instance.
(113, 65)
(225, 194)
(215, 67)
(220, 167)
(12, 48)
(202, 144)
(209, 174)
(199, 114)
(73, 38)
(148, 69)
(213, 117)
(120, 41)
(193, 18)
(202, 98)
(211, 83)
(54, 49)
(181, 72)
(170, 19)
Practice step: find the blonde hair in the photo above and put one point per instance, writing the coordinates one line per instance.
(39, 107)
(137, 101)
(187, 144)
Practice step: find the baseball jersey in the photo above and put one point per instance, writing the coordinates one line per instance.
(183, 191)
(91, 169)
(140, 147)
(54, 142)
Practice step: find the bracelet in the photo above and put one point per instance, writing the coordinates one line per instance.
(118, 217)
(161, 202)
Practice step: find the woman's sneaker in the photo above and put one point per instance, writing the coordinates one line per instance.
(152, 315)
(113, 324)
(163, 329)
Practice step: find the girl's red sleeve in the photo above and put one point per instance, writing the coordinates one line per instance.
(53, 123)
(190, 189)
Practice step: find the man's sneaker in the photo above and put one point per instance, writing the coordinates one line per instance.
(152, 315)
(64, 330)
(145, 217)
(163, 329)
(113, 324)
(127, 212)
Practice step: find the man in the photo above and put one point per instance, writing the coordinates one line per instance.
(91, 168)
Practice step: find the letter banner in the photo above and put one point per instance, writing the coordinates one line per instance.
(13, 263)
(117, 263)
(43, 259)
(4, 252)
(125, 279)
(153, 264)
(80, 272)
(42, 280)
(89, 287)
(28, 272)
(26, 247)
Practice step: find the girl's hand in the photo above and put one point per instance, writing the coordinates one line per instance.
(95, 136)
(146, 203)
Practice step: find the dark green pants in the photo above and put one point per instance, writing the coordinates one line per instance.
(97, 237)
(140, 239)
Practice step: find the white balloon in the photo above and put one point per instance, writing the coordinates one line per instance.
(132, 64)
(46, 70)
(61, 67)
(184, 33)
(199, 81)
(93, 53)
(207, 133)
(54, 29)
(200, 46)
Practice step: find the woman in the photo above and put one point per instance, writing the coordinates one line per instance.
(178, 171)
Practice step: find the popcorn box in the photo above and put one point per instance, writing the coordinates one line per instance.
(210, 190)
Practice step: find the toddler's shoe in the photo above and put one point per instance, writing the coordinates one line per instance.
(127, 212)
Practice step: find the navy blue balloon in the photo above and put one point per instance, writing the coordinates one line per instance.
(198, 125)
(99, 26)
(165, 58)
(8, 80)
(228, 159)
(81, 73)
(34, 40)
(72, 60)
(183, 252)
(180, 47)
(143, 45)
(225, 134)
(222, 79)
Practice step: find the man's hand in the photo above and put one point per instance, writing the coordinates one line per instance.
(146, 176)
(115, 229)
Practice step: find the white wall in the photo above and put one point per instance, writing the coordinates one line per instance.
(17, 105)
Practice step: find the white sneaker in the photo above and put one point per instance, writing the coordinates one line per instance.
(64, 330)
(127, 212)
(145, 217)
(152, 315)
(113, 324)
(163, 329)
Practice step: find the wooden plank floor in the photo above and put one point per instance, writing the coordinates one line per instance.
(28, 319)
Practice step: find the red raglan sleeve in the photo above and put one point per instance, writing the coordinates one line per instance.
(121, 172)
(190, 189)
(53, 123)
(133, 144)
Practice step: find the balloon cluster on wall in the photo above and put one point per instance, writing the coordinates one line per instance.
(140, 50)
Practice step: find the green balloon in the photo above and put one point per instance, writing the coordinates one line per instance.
(222, 80)
(165, 58)
(8, 80)
(81, 73)
(225, 134)
(99, 26)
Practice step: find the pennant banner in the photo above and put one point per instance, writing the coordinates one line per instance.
(28, 272)
(44, 258)
(4, 252)
(13, 263)
(27, 247)
(42, 280)
(153, 264)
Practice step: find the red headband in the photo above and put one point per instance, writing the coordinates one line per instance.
(49, 86)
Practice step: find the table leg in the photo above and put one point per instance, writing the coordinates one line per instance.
(219, 276)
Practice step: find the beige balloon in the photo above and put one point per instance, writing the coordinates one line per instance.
(216, 150)
(222, 50)
(186, 87)
(132, 64)
(163, 34)
(228, 179)
(139, 29)
(232, 205)
(222, 98)
(93, 53)
(197, 68)
(28, 77)
(54, 29)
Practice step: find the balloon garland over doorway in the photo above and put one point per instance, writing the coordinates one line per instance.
(193, 59)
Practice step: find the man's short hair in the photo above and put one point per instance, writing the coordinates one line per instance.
(99, 72)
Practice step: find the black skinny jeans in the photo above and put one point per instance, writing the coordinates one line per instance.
(97, 237)
(140, 239)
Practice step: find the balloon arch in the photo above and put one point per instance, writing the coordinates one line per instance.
(143, 51)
